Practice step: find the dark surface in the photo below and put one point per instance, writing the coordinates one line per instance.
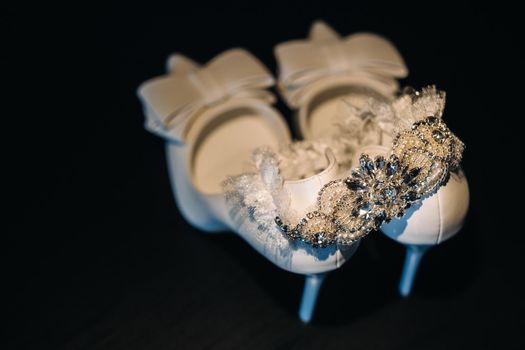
(96, 255)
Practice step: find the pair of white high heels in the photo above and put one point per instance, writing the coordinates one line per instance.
(368, 161)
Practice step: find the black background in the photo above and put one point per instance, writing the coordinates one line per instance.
(96, 256)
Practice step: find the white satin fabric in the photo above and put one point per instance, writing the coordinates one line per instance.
(173, 101)
(365, 58)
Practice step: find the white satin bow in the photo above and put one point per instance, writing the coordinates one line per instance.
(365, 57)
(172, 102)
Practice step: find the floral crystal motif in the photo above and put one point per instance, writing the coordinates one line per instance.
(382, 188)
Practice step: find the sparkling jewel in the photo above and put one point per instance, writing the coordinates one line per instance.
(380, 189)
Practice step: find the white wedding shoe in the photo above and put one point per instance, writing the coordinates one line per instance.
(339, 76)
(227, 173)
(438, 217)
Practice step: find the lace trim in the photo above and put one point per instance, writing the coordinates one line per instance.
(424, 151)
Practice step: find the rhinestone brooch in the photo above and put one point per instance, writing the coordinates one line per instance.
(382, 188)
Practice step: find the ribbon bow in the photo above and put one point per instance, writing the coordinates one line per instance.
(172, 102)
(365, 58)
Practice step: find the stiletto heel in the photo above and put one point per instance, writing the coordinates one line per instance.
(414, 254)
(312, 286)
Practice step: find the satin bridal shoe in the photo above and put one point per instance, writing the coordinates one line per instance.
(438, 217)
(232, 165)
(357, 75)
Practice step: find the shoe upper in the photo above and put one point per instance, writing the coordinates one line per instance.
(213, 117)
(256, 198)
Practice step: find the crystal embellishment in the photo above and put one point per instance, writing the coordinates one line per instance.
(383, 188)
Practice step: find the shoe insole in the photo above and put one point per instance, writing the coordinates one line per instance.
(328, 113)
(226, 147)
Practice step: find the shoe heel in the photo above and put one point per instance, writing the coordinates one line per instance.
(435, 220)
(414, 254)
(312, 286)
